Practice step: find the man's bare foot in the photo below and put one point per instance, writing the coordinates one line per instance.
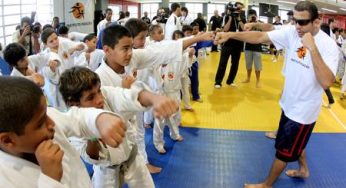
(147, 126)
(260, 185)
(258, 84)
(271, 135)
(189, 109)
(297, 173)
(246, 81)
(153, 169)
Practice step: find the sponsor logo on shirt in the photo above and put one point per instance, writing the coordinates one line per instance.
(301, 52)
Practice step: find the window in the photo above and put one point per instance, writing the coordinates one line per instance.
(151, 8)
(194, 8)
(283, 15)
(213, 7)
(133, 11)
(11, 11)
(116, 9)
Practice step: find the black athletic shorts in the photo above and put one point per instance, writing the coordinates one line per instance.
(291, 139)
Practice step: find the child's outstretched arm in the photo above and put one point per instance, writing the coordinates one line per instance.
(90, 122)
(207, 36)
(163, 107)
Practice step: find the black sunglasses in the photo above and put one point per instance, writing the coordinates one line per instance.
(301, 22)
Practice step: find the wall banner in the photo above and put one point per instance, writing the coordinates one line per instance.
(79, 15)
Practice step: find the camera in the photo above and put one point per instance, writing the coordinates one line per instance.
(232, 7)
(234, 10)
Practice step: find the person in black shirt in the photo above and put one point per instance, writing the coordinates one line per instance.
(216, 22)
(201, 22)
(145, 18)
(234, 22)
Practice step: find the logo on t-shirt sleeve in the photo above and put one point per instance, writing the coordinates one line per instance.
(301, 52)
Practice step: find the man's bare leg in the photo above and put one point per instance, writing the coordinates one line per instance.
(248, 76)
(277, 168)
(303, 171)
(258, 75)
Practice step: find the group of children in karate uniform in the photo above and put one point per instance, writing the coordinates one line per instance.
(99, 97)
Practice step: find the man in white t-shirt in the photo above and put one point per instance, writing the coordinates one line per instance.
(311, 64)
(173, 22)
(105, 22)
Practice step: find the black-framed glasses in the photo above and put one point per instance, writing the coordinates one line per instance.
(301, 22)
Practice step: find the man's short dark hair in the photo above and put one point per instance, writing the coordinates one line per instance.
(74, 81)
(252, 12)
(330, 20)
(108, 10)
(127, 14)
(136, 26)
(19, 101)
(63, 30)
(307, 6)
(112, 35)
(46, 33)
(13, 53)
(89, 37)
(174, 6)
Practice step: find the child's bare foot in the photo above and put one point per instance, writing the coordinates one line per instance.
(246, 81)
(258, 84)
(271, 135)
(261, 185)
(147, 126)
(153, 169)
(162, 151)
(297, 173)
(179, 138)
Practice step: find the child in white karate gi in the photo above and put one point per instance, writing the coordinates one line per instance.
(15, 56)
(34, 149)
(122, 60)
(81, 87)
(92, 57)
(170, 85)
(67, 51)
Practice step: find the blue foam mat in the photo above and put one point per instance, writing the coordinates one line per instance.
(220, 158)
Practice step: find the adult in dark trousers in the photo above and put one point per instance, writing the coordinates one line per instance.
(216, 22)
(234, 22)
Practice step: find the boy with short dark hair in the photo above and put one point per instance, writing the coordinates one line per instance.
(81, 87)
(34, 149)
(93, 57)
(15, 56)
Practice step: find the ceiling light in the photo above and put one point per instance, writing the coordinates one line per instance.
(329, 10)
(288, 2)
